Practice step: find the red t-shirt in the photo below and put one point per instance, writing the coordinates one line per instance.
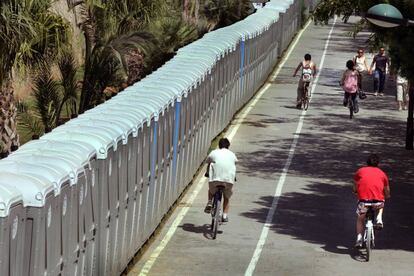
(370, 183)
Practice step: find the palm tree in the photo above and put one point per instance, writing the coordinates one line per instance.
(172, 33)
(124, 40)
(221, 13)
(30, 125)
(50, 95)
(47, 97)
(190, 10)
(29, 34)
(113, 39)
(68, 70)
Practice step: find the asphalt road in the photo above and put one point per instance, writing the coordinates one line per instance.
(307, 179)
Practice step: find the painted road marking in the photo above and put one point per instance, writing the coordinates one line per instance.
(265, 231)
(150, 262)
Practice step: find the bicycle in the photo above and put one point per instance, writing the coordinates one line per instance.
(369, 237)
(305, 96)
(351, 107)
(350, 103)
(216, 212)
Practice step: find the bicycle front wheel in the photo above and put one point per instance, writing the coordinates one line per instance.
(368, 243)
(305, 103)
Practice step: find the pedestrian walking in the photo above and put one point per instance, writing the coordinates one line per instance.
(402, 92)
(381, 63)
(361, 66)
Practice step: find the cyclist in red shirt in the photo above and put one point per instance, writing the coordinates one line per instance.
(371, 184)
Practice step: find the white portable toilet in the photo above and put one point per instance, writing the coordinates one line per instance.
(74, 196)
(12, 234)
(104, 194)
(39, 200)
(61, 182)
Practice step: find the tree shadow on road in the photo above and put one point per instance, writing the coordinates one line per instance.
(320, 215)
(330, 149)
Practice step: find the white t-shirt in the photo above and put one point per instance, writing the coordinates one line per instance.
(360, 63)
(307, 70)
(222, 165)
(401, 80)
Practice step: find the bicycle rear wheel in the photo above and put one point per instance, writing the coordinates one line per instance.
(215, 217)
(368, 243)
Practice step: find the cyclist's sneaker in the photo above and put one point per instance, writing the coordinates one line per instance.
(358, 243)
(299, 105)
(356, 108)
(381, 94)
(225, 219)
(208, 207)
(379, 225)
(362, 95)
(376, 94)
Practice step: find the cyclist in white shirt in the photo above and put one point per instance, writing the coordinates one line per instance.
(308, 73)
(221, 171)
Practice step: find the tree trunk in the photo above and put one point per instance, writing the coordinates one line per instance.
(89, 34)
(8, 124)
(196, 11)
(185, 9)
(239, 10)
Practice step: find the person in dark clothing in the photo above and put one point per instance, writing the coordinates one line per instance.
(381, 63)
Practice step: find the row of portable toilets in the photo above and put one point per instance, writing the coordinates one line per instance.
(84, 198)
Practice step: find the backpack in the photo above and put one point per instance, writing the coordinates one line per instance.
(307, 72)
(350, 83)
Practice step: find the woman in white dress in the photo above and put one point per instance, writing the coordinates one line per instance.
(402, 95)
(361, 66)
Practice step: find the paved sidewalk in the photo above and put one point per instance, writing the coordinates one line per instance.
(312, 230)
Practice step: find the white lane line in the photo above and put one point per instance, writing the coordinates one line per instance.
(265, 231)
(230, 134)
(150, 262)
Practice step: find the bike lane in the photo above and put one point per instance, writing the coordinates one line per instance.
(312, 229)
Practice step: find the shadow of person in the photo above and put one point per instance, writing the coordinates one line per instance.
(199, 229)
(359, 255)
